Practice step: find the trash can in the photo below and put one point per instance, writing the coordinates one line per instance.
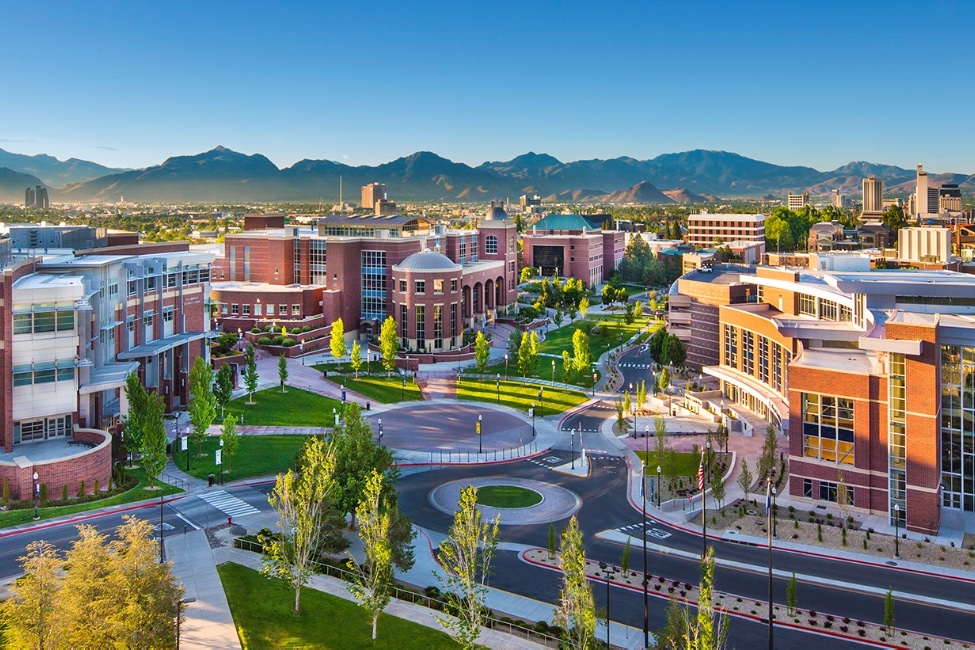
(324, 374)
(169, 449)
(367, 406)
(211, 480)
(343, 394)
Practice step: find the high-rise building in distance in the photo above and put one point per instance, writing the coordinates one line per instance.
(373, 193)
(873, 199)
(36, 197)
(798, 201)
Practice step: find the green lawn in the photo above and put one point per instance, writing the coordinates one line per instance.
(507, 496)
(378, 387)
(520, 396)
(257, 456)
(544, 372)
(296, 408)
(138, 493)
(263, 612)
(687, 462)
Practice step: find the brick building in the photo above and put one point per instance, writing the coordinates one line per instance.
(573, 245)
(872, 376)
(353, 266)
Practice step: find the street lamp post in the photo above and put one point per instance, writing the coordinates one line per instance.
(506, 366)
(659, 485)
(775, 519)
(37, 496)
(643, 507)
(532, 411)
(404, 389)
(704, 501)
(480, 447)
(897, 527)
(553, 373)
(498, 385)
(541, 404)
(771, 612)
(607, 572)
(593, 383)
(572, 447)
(380, 432)
(335, 414)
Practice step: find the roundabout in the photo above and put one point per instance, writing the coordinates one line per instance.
(554, 502)
(453, 428)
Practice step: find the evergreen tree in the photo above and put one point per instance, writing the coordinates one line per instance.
(250, 373)
(355, 358)
(223, 388)
(282, 372)
(202, 407)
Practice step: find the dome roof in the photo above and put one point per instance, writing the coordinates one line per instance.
(427, 260)
(496, 213)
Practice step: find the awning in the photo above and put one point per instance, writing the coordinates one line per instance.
(152, 348)
(111, 375)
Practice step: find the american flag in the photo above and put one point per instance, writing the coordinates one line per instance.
(700, 474)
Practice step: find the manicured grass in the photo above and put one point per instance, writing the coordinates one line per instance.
(138, 493)
(544, 372)
(263, 612)
(296, 408)
(687, 462)
(507, 496)
(520, 396)
(256, 456)
(378, 387)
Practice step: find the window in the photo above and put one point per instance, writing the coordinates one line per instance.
(807, 305)
(463, 251)
(296, 310)
(807, 488)
(421, 324)
(234, 310)
(763, 359)
(827, 428)
(168, 314)
(247, 310)
(453, 319)
(491, 244)
(113, 288)
(828, 310)
(453, 286)
(827, 491)
(438, 287)
(130, 323)
(282, 310)
(372, 267)
(438, 327)
(421, 286)
(748, 352)
(403, 328)
(147, 319)
(402, 286)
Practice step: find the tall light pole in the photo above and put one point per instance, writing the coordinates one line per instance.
(380, 432)
(480, 448)
(897, 527)
(404, 389)
(594, 382)
(771, 610)
(506, 366)
(498, 385)
(643, 507)
(703, 484)
(659, 485)
(37, 497)
(532, 412)
(553, 373)
(572, 448)
(607, 572)
(541, 404)
(335, 414)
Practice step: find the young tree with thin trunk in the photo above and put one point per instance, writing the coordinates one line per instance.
(250, 373)
(223, 387)
(525, 356)
(356, 455)
(32, 611)
(660, 439)
(136, 396)
(584, 307)
(481, 351)
(230, 438)
(152, 446)
(337, 342)
(534, 351)
(374, 575)
(355, 358)
(282, 372)
(641, 395)
(717, 484)
(581, 354)
(202, 407)
(745, 479)
(625, 558)
(301, 499)
(766, 461)
(576, 611)
(466, 557)
(709, 631)
(790, 594)
(388, 344)
(566, 367)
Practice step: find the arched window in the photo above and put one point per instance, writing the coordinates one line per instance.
(491, 245)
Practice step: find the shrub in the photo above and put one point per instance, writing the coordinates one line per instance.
(289, 342)
(305, 329)
(269, 328)
(81, 489)
(277, 340)
(43, 494)
(64, 492)
(256, 330)
(264, 340)
(96, 487)
(6, 495)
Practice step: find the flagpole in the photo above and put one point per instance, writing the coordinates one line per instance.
(771, 607)
(702, 484)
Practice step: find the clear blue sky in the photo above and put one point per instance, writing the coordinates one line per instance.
(800, 83)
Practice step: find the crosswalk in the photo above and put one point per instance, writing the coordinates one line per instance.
(228, 503)
(637, 366)
(576, 429)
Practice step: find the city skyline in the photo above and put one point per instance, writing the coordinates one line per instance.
(129, 86)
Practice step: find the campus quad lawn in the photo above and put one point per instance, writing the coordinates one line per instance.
(687, 462)
(137, 493)
(256, 456)
(271, 407)
(376, 387)
(544, 372)
(263, 612)
(507, 496)
(519, 396)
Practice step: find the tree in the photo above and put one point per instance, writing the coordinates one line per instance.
(629, 315)
(525, 356)
(653, 307)
(710, 630)
(466, 557)
(842, 495)
(660, 439)
(223, 387)
(664, 380)
(356, 455)
(355, 358)
(152, 446)
(722, 435)
(282, 372)
(230, 438)
(745, 479)
(135, 395)
(388, 344)
(674, 352)
(584, 306)
(526, 274)
(790, 594)
(895, 219)
(641, 395)
(566, 367)
(717, 484)
(889, 610)
(202, 407)
(625, 558)
(482, 351)
(32, 612)
(576, 611)
(581, 354)
(250, 373)
(558, 318)
(627, 402)
(374, 575)
(300, 498)
(337, 341)
(637, 310)
(766, 460)
(534, 351)
(656, 345)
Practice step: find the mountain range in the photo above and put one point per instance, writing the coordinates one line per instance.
(225, 175)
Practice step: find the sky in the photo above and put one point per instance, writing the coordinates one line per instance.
(128, 84)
